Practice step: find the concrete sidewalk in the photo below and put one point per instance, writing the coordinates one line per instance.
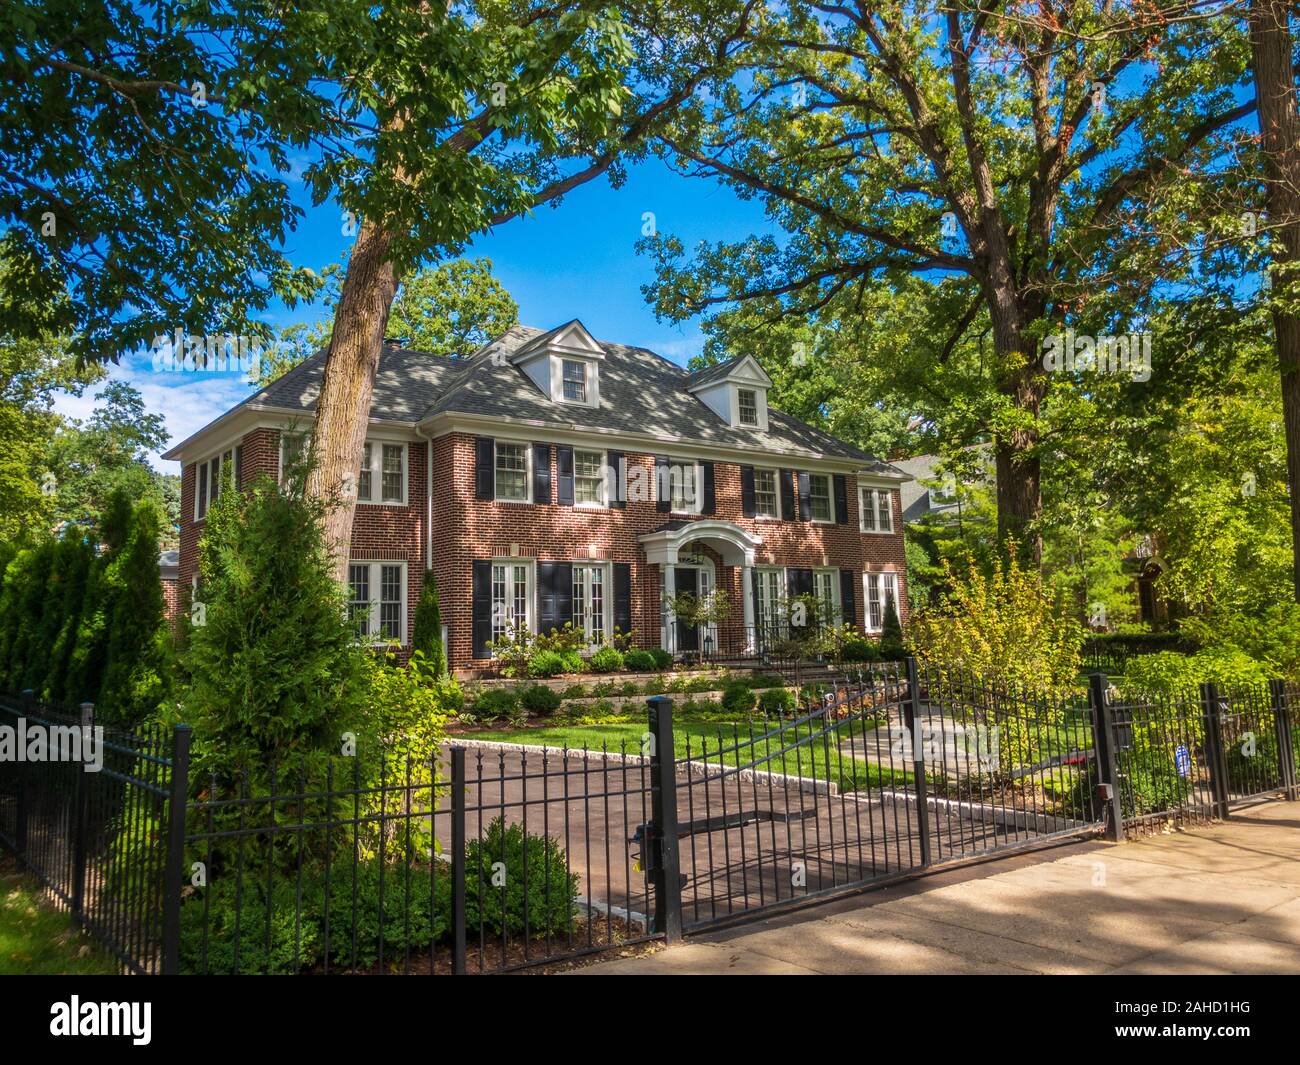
(1222, 899)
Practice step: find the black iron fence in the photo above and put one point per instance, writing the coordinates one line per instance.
(1112, 652)
(489, 857)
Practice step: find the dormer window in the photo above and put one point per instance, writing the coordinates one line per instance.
(747, 401)
(575, 381)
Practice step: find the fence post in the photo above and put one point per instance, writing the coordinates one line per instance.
(1214, 752)
(81, 801)
(661, 848)
(458, 861)
(910, 707)
(173, 874)
(1283, 723)
(1104, 740)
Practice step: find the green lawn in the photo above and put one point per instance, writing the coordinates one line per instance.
(818, 756)
(38, 940)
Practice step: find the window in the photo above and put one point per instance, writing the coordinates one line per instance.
(589, 601)
(819, 497)
(511, 595)
(589, 478)
(575, 381)
(881, 588)
(386, 464)
(826, 587)
(747, 400)
(876, 510)
(380, 617)
(512, 472)
(684, 481)
(770, 588)
(211, 477)
(767, 503)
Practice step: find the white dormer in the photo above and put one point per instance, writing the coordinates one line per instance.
(564, 364)
(736, 391)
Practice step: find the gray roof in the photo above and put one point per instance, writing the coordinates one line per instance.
(640, 392)
(716, 372)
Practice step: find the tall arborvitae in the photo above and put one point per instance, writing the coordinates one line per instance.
(49, 617)
(136, 670)
(86, 664)
(81, 558)
(426, 632)
(30, 571)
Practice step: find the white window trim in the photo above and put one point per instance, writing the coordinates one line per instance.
(225, 455)
(837, 595)
(528, 470)
(530, 594)
(593, 380)
(740, 407)
(377, 472)
(607, 607)
(830, 498)
(699, 485)
(871, 493)
(867, 578)
(776, 486)
(376, 586)
(604, 485)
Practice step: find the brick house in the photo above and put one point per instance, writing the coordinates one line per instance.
(550, 477)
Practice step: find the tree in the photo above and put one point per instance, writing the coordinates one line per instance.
(426, 631)
(986, 154)
(90, 651)
(1273, 55)
(137, 667)
(452, 308)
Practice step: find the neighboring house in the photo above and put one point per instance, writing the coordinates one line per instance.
(550, 478)
(169, 572)
(922, 494)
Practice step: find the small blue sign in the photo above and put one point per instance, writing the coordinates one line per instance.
(1183, 760)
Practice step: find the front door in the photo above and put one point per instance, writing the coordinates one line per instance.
(687, 579)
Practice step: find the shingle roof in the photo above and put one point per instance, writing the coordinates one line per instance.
(716, 372)
(640, 392)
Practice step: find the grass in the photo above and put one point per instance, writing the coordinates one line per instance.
(38, 940)
(817, 756)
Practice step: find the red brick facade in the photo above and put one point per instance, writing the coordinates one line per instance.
(465, 529)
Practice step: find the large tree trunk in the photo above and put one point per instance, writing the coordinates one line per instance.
(1279, 123)
(343, 413)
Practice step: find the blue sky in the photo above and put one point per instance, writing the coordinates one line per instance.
(575, 261)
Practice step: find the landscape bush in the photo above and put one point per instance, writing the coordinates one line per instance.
(663, 659)
(777, 701)
(639, 661)
(545, 664)
(493, 704)
(738, 697)
(1171, 674)
(606, 660)
(536, 870)
(539, 699)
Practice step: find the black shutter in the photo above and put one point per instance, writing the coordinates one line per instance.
(841, 499)
(541, 473)
(554, 595)
(710, 503)
(805, 503)
(564, 475)
(618, 490)
(485, 468)
(481, 610)
(747, 491)
(787, 496)
(663, 486)
(623, 597)
(848, 596)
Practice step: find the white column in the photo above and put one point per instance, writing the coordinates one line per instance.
(667, 630)
(747, 599)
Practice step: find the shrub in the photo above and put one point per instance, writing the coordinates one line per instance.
(606, 660)
(545, 664)
(738, 697)
(1172, 674)
(536, 869)
(230, 905)
(1151, 769)
(766, 680)
(813, 695)
(860, 649)
(539, 699)
(493, 704)
(654, 686)
(777, 701)
(426, 631)
(572, 662)
(575, 691)
(1251, 769)
(640, 661)
(663, 659)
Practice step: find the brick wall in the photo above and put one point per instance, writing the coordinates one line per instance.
(464, 529)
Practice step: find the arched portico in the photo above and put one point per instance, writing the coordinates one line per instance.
(670, 547)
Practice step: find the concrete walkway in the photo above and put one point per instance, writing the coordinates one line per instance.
(1217, 900)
